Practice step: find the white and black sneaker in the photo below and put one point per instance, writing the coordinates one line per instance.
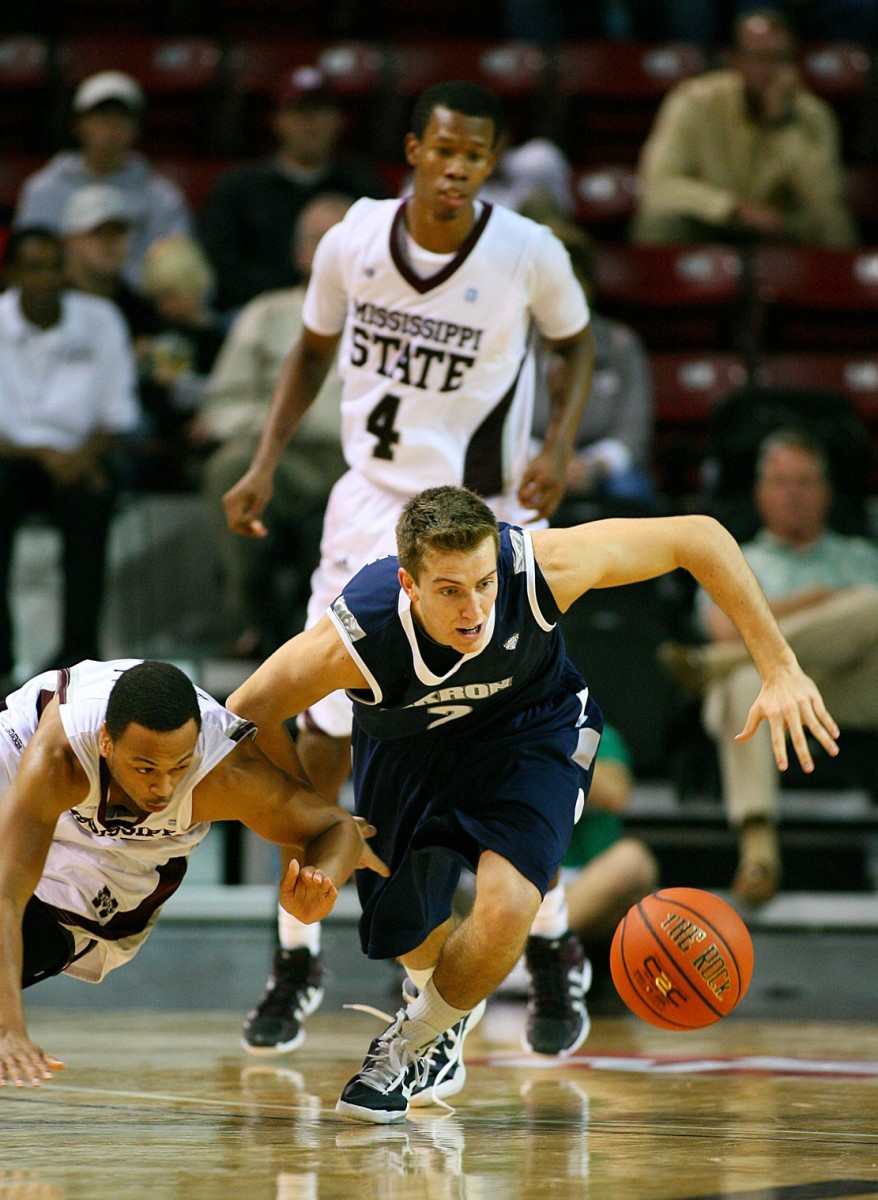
(446, 1070)
(557, 1019)
(380, 1090)
(294, 990)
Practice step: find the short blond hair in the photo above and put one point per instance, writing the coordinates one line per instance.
(178, 264)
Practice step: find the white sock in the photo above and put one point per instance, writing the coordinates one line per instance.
(428, 1016)
(294, 935)
(552, 919)
(420, 978)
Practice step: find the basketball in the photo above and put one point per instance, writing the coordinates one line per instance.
(681, 958)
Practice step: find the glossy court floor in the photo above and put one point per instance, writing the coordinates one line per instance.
(166, 1105)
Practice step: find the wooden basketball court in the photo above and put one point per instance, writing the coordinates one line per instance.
(166, 1105)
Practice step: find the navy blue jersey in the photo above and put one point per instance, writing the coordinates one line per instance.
(522, 659)
(457, 754)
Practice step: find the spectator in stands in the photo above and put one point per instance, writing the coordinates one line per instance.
(238, 397)
(823, 588)
(611, 457)
(745, 153)
(534, 171)
(108, 110)
(96, 226)
(175, 361)
(250, 213)
(66, 391)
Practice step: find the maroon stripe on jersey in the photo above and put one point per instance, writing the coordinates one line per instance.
(246, 729)
(135, 920)
(426, 284)
(483, 463)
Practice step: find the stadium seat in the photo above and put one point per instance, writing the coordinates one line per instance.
(854, 376)
(610, 92)
(861, 194)
(180, 76)
(256, 66)
(686, 389)
(841, 73)
(26, 94)
(286, 21)
(816, 299)
(676, 297)
(605, 200)
(13, 172)
(194, 175)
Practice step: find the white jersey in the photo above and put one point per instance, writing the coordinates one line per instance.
(108, 873)
(436, 355)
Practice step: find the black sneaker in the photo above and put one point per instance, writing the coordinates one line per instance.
(294, 990)
(446, 1071)
(380, 1090)
(557, 1019)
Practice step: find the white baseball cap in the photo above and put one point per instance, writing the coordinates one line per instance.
(108, 85)
(93, 206)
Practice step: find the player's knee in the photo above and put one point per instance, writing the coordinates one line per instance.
(505, 901)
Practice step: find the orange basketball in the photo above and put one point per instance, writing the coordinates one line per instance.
(681, 958)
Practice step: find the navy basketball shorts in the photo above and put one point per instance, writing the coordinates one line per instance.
(438, 802)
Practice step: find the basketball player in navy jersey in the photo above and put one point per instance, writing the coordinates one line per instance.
(474, 738)
(432, 301)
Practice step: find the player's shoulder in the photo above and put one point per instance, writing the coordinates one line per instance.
(370, 599)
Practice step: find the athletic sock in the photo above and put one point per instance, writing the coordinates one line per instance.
(552, 919)
(294, 935)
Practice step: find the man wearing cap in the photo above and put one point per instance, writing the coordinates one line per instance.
(249, 217)
(96, 228)
(107, 114)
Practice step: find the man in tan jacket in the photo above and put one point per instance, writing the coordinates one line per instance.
(745, 153)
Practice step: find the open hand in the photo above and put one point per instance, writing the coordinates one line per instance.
(791, 703)
(23, 1063)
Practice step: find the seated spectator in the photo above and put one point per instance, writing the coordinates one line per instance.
(66, 392)
(250, 213)
(534, 171)
(108, 110)
(96, 227)
(611, 458)
(745, 153)
(823, 588)
(237, 400)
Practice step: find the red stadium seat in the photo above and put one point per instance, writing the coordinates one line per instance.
(180, 76)
(686, 389)
(676, 297)
(861, 194)
(605, 199)
(611, 91)
(13, 172)
(817, 299)
(26, 93)
(841, 73)
(285, 20)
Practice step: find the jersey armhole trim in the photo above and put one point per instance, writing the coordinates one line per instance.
(374, 686)
(546, 626)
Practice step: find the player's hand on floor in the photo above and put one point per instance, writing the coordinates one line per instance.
(23, 1063)
(369, 860)
(792, 704)
(307, 893)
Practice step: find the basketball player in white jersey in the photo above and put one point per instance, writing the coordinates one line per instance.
(436, 301)
(110, 774)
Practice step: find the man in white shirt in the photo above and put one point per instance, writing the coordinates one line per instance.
(67, 388)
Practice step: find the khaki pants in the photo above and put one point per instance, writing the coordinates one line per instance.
(836, 643)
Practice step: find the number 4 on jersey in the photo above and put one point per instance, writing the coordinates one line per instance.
(381, 425)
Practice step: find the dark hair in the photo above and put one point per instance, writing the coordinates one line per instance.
(156, 695)
(25, 233)
(458, 95)
(792, 438)
(442, 518)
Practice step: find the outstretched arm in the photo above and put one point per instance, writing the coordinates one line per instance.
(301, 377)
(616, 552)
(49, 780)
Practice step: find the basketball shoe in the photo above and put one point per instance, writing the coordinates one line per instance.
(294, 990)
(381, 1089)
(446, 1070)
(557, 1019)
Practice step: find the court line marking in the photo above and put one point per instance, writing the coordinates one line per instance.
(745, 1064)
